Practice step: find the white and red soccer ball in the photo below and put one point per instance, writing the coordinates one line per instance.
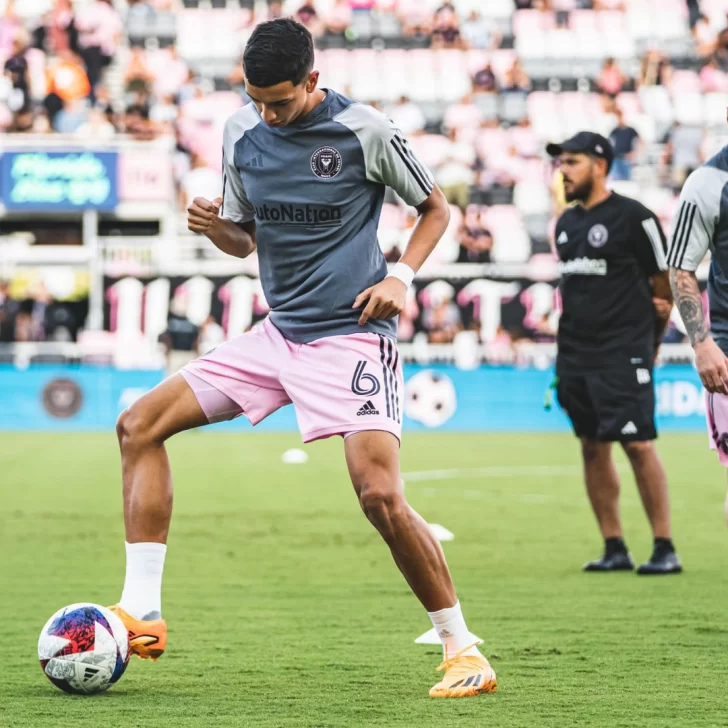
(84, 649)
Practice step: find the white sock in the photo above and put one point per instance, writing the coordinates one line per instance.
(142, 595)
(450, 626)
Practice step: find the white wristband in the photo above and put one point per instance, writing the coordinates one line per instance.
(402, 272)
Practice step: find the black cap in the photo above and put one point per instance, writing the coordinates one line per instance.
(585, 142)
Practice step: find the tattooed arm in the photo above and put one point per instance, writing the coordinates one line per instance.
(710, 361)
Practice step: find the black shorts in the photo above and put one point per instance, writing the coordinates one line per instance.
(615, 406)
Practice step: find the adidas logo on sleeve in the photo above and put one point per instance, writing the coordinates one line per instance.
(367, 409)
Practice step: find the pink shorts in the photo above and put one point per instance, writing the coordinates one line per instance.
(338, 385)
(716, 410)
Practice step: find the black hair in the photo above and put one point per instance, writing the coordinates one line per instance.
(278, 51)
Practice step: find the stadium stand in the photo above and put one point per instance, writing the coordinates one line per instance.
(479, 87)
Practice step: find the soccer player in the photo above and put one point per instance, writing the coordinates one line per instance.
(702, 223)
(616, 303)
(305, 171)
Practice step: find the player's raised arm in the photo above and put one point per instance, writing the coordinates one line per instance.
(691, 236)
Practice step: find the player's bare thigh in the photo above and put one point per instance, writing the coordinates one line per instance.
(372, 457)
(169, 408)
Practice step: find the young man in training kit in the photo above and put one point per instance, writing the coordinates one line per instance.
(702, 223)
(305, 170)
(616, 303)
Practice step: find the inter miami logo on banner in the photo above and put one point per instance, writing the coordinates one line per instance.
(326, 162)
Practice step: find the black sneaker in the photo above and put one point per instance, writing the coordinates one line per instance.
(614, 561)
(661, 562)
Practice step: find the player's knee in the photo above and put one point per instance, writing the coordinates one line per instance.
(134, 429)
(383, 506)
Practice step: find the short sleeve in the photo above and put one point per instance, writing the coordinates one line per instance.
(388, 157)
(694, 223)
(235, 203)
(650, 242)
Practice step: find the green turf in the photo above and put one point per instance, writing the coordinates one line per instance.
(285, 610)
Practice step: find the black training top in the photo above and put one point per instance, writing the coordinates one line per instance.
(608, 254)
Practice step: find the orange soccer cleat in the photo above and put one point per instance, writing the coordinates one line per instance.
(147, 638)
(465, 676)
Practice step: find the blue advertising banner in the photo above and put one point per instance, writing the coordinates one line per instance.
(69, 181)
(437, 398)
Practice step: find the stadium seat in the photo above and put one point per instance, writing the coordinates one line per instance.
(531, 198)
(715, 109)
(689, 108)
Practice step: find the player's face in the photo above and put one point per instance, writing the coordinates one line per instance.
(578, 173)
(283, 103)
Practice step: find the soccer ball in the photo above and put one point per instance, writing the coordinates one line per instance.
(430, 398)
(83, 649)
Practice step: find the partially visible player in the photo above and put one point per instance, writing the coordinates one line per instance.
(701, 223)
(305, 171)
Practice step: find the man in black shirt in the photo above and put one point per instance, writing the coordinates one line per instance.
(624, 141)
(616, 302)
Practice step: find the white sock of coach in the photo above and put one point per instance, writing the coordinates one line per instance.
(142, 595)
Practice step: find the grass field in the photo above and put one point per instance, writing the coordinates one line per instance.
(285, 610)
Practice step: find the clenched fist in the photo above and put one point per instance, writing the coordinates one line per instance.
(202, 213)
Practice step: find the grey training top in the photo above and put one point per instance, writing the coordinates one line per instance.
(315, 190)
(701, 223)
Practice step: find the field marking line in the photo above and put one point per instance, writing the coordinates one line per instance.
(496, 471)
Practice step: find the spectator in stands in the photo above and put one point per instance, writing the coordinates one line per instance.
(625, 141)
(9, 26)
(72, 116)
(199, 181)
(211, 335)
(9, 309)
(516, 80)
(16, 70)
(704, 37)
(308, 16)
(609, 5)
(338, 18)
(41, 123)
(99, 30)
(476, 241)
(481, 32)
(455, 175)
(416, 20)
(57, 30)
(655, 69)
(712, 79)
(721, 47)
(442, 320)
(484, 81)
(163, 113)
(446, 29)
(137, 74)
(97, 126)
(67, 82)
(682, 152)
(275, 9)
(181, 338)
(170, 72)
(611, 79)
(136, 118)
(407, 116)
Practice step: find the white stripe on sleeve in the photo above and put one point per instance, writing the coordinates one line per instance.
(650, 227)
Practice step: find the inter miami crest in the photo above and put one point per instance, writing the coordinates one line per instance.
(326, 162)
(597, 235)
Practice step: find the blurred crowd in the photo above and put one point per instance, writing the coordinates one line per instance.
(75, 71)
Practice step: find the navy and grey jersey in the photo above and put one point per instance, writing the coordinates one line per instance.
(315, 190)
(701, 222)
